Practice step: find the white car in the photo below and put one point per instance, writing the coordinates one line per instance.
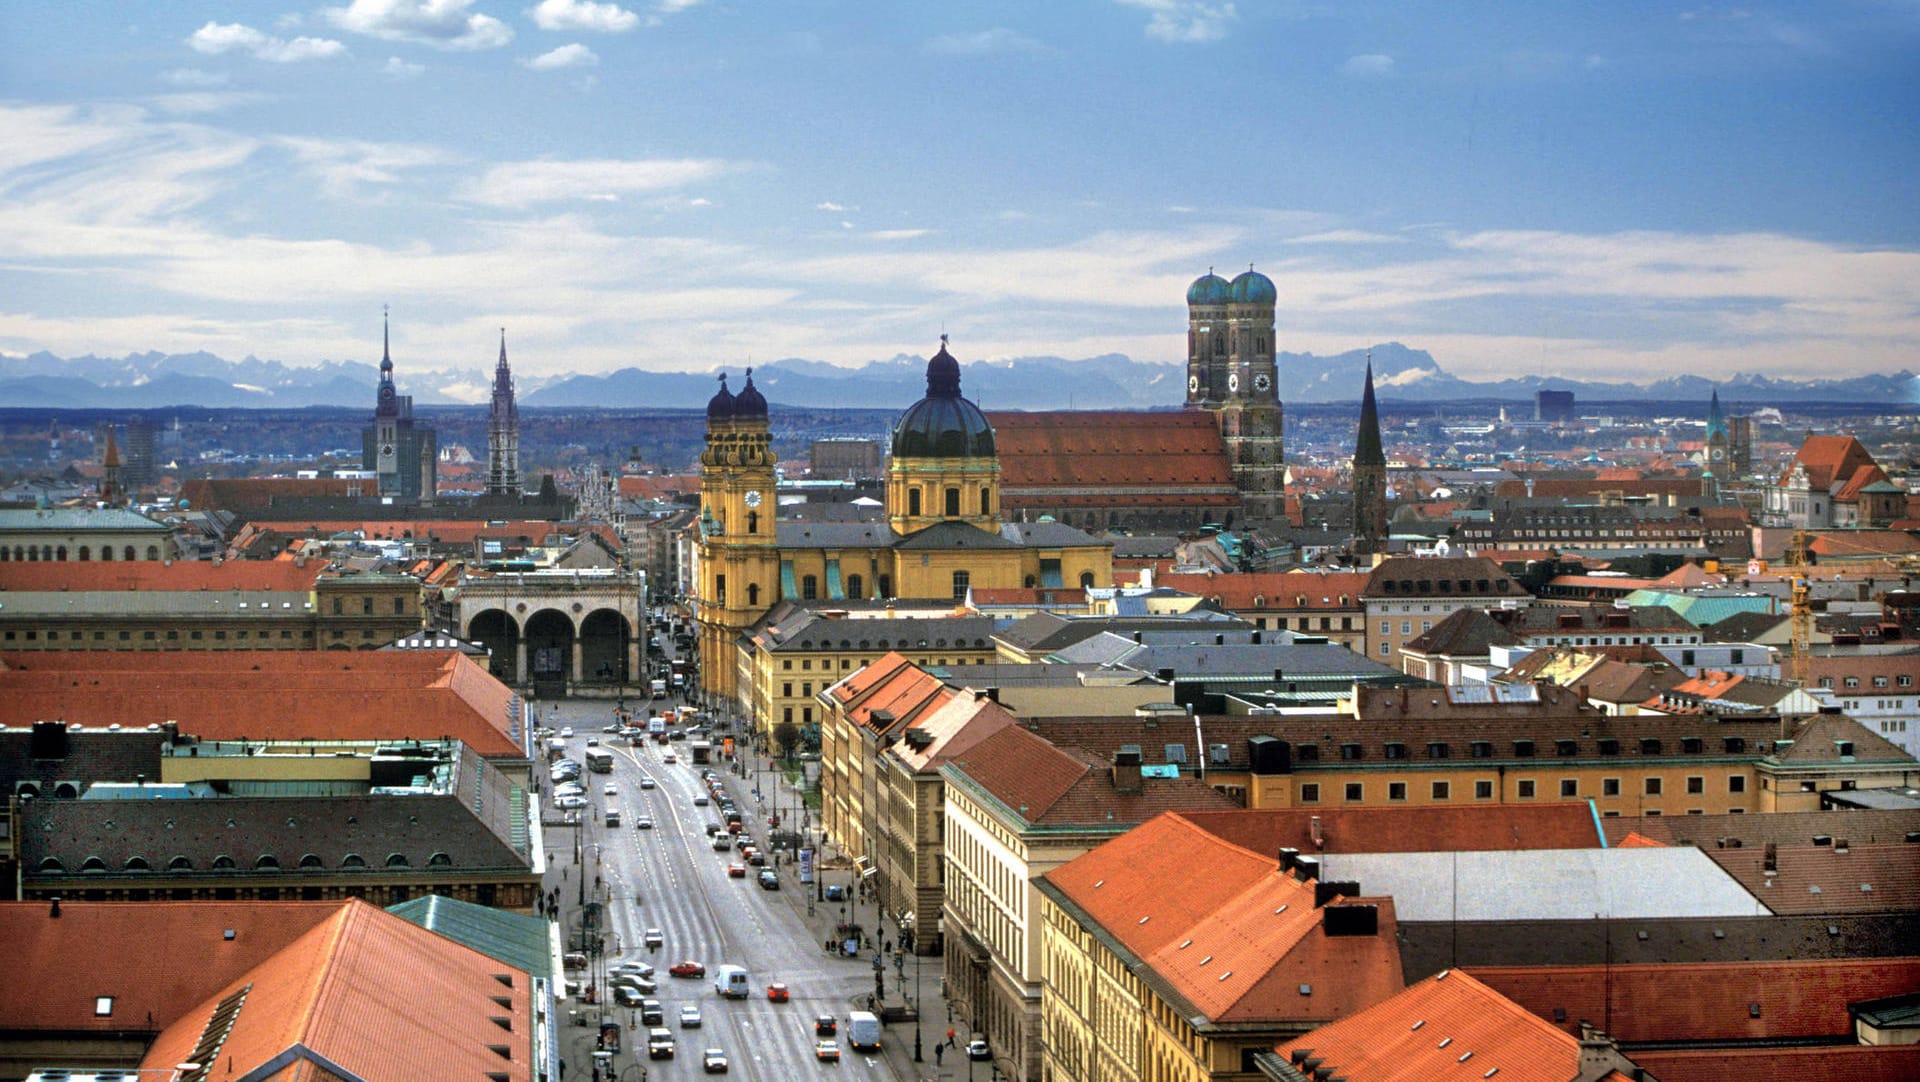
(646, 782)
(570, 802)
(567, 733)
(689, 1017)
(612, 789)
(637, 969)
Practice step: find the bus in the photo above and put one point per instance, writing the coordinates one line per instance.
(702, 751)
(599, 760)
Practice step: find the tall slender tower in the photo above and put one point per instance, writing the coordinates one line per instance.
(1369, 475)
(739, 563)
(1718, 450)
(110, 492)
(1232, 373)
(503, 431)
(386, 418)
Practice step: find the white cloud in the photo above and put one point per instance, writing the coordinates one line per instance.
(1184, 21)
(199, 102)
(1346, 236)
(983, 42)
(520, 184)
(346, 166)
(215, 39)
(1368, 66)
(897, 234)
(398, 69)
(193, 78)
(566, 56)
(582, 15)
(830, 206)
(443, 24)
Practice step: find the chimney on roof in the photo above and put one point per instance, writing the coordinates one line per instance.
(1319, 833)
(1324, 892)
(1600, 1058)
(1306, 868)
(1288, 855)
(1126, 769)
(1772, 858)
(1350, 920)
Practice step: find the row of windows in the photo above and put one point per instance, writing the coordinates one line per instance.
(1904, 680)
(1444, 586)
(53, 553)
(265, 862)
(1355, 792)
(951, 499)
(1521, 749)
(366, 606)
(33, 635)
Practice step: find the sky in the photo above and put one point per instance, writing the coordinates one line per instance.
(1621, 191)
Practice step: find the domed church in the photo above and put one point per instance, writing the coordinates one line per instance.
(943, 534)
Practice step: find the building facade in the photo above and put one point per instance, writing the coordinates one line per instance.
(1232, 374)
(503, 431)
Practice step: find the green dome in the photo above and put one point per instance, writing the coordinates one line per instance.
(943, 424)
(1254, 288)
(1209, 288)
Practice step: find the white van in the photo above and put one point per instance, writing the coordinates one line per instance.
(731, 981)
(863, 1031)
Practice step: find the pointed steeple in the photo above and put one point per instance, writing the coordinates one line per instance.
(386, 344)
(110, 493)
(1366, 449)
(1716, 421)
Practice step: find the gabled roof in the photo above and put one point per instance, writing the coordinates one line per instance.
(1688, 576)
(1708, 1001)
(1235, 945)
(1335, 591)
(892, 684)
(1449, 1026)
(952, 537)
(156, 959)
(1827, 460)
(72, 576)
(269, 694)
(1826, 879)
(350, 992)
(1402, 830)
(951, 728)
(1042, 785)
(1441, 576)
(1182, 451)
(1464, 633)
(1836, 738)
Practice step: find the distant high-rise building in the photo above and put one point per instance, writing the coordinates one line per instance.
(110, 492)
(1231, 372)
(503, 431)
(844, 458)
(1369, 475)
(1553, 406)
(403, 455)
(137, 464)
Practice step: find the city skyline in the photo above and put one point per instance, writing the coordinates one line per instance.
(1623, 194)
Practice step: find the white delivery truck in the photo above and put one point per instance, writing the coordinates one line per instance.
(731, 981)
(863, 1031)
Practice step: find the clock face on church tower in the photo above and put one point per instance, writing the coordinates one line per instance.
(1261, 382)
(1193, 384)
(753, 499)
(1233, 382)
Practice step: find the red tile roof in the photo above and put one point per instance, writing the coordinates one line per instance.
(1825, 879)
(353, 990)
(1236, 944)
(1449, 1026)
(1828, 459)
(73, 576)
(1402, 830)
(266, 694)
(1851, 1063)
(891, 683)
(1047, 785)
(156, 959)
(1109, 449)
(1293, 590)
(1706, 1001)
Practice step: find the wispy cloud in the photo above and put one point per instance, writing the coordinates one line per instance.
(399, 70)
(1184, 21)
(194, 78)
(217, 38)
(831, 206)
(1368, 66)
(566, 56)
(564, 15)
(442, 24)
(983, 42)
(520, 184)
(346, 167)
(897, 234)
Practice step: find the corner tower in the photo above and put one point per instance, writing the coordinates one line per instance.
(943, 466)
(1231, 372)
(503, 431)
(739, 562)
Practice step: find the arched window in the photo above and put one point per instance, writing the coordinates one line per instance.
(6, 554)
(52, 864)
(224, 862)
(153, 552)
(60, 554)
(439, 860)
(399, 606)
(180, 864)
(353, 860)
(753, 522)
(1030, 582)
(310, 860)
(138, 864)
(1219, 344)
(127, 553)
(267, 863)
(66, 790)
(93, 864)
(885, 588)
(953, 503)
(753, 594)
(856, 587)
(396, 860)
(913, 502)
(86, 553)
(46, 553)
(106, 552)
(986, 499)
(33, 555)
(1086, 580)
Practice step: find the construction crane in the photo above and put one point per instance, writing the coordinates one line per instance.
(1798, 564)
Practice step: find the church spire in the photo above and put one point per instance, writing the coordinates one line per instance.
(386, 342)
(1369, 474)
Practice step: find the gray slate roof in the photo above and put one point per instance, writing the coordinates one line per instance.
(947, 536)
(514, 938)
(834, 535)
(901, 633)
(1048, 535)
(117, 519)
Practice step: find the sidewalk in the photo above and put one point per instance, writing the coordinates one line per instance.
(907, 977)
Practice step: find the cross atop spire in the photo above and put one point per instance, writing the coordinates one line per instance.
(503, 347)
(386, 338)
(943, 339)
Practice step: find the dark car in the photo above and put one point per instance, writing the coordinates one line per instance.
(824, 1025)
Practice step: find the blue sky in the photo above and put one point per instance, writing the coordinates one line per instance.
(1620, 190)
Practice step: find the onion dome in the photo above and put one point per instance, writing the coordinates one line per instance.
(943, 424)
(720, 406)
(1209, 288)
(1254, 288)
(748, 405)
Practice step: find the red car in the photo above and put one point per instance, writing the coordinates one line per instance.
(736, 871)
(777, 993)
(688, 969)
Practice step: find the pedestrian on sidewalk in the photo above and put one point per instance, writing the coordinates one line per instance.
(939, 1050)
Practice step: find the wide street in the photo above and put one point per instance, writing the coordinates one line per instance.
(670, 878)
